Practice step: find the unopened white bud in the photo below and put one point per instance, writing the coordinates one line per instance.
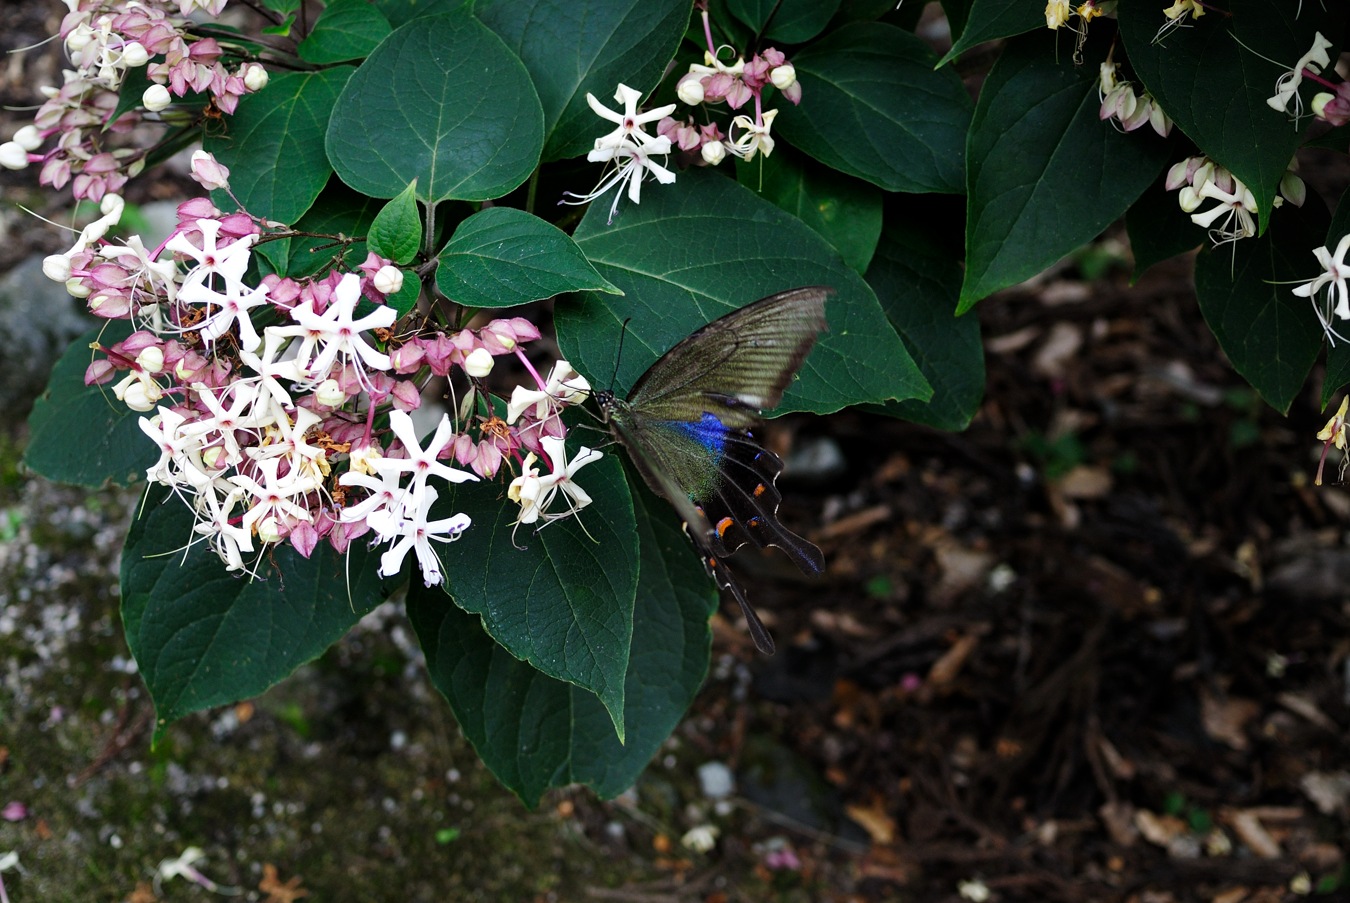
(135, 56)
(78, 288)
(690, 90)
(112, 204)
(783, 77)
(156, 98)
(212, 457)
(13, 155)
(56, 267)
(78, 39)
(330, 394)
(1319, 103)
(388, 280)
(151, 359)
(713, 152)
(269, 530)
(479, 362)
(28, 138)
(1189, 199)
(255, 76)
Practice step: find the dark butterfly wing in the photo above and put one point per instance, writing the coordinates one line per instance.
(660, 451)
(686, 425)
(737, 365)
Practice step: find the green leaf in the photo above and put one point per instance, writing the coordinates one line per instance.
(1159, 229)
(561, 598)
(441, 101)
(282, 6)
(111, 446)
(536, 733)
(274, 143)
(401, 12)
(792, 22)
(917, 281)
(338, 211)
(572, 47)
(396, 233)
(1045, 173)
(1215, 88)
(203, 637)
(345, 30)
(873, 107)
(1270, 335)
(501, 257)
(687, 256)
(989, 20)
(845, 211)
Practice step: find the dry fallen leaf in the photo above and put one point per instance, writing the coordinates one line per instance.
(946, 668)
(143, 893)
(1159, 830)
(1329, 791)
(1250, 831)
(276, 891)
(874, 820)
(1225, 718)
(1084, 482)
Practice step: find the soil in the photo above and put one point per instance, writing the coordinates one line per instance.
(1095, 647)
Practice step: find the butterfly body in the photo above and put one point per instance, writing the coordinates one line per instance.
(688, 427)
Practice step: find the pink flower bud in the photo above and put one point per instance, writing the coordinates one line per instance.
(208, 172)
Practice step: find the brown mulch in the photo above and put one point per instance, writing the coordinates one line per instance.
(1093, 648)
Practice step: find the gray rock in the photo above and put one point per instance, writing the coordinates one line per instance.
(38, 320)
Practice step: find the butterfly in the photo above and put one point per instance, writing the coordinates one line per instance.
(688, 425)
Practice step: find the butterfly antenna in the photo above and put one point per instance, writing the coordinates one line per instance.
(623, 331)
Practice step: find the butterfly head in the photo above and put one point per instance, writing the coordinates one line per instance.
(604, 399)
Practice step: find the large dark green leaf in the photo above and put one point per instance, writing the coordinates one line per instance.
(690, 254)
(501, 257)
(1211, 79)
(274, 143)
(1270, 335)
(845, 211)
(443, 101)
(561, 598)
(1159, 229)
(917, 281)
(203, 637)
(1046, 174)
(786, 21)
(345, 30)
(873, 107)
(572, 47)
(111, 447)
(537, 733)
(989, 20)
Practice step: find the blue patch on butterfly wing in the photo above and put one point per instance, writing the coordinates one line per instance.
(708, 431)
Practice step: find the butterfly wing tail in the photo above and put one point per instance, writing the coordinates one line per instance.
(758, 632)
(749, 505)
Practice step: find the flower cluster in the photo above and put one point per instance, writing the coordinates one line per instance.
(1130, 110)
(104, 40)
(1232, 217)
(632, 150)
(1333, 434)
(267, 400)
(1061, 13)
(628, 147)
(734, 84)
(1179, 15)
(1328, 292)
